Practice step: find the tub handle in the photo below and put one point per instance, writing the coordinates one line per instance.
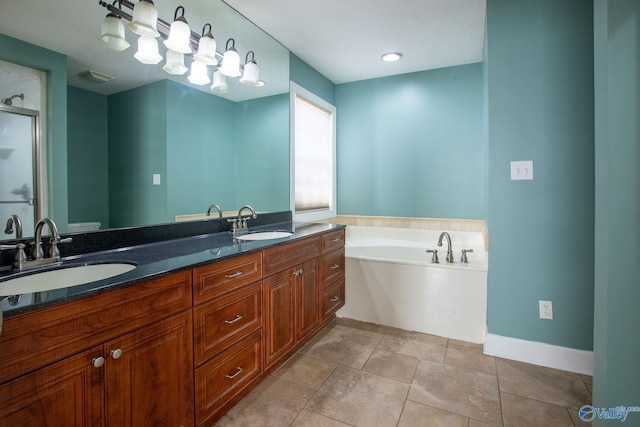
(464, 258)
(434, 257)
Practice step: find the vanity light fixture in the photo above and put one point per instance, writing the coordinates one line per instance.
(231, 60)
(113, 32)
(175, 63)
(391, 56)
(206, 47)
(145, 17)
(179, 33)
(148, 50)
(179, 42)
(219, 83)
(251, 71)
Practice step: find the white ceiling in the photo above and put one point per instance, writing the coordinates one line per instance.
(341, 39)
(344, 40)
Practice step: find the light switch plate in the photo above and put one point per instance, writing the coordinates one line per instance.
(156, 179)
(522, 170)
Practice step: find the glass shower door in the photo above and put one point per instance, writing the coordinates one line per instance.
(18, 156)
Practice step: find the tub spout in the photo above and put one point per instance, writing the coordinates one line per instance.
(449, 257)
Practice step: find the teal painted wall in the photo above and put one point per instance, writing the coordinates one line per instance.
(413, 145)
(137, 150)
(540, 80)
(88, 153)
(55, 65)
(617, 249)
(301, 73)
(262, 153)
(201, 149)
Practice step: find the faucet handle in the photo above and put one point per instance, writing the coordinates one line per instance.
(20, 258)
(53, 250)
(464, 258)
(434, 257)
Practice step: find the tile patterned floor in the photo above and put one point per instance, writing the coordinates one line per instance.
(359, 374)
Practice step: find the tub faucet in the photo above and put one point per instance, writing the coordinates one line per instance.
(14, 220)
(239, 224)
(449, 257)
(214, 207)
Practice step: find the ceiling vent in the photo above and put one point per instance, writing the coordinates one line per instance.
(95, 77)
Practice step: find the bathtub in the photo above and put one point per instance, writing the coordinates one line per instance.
(391, 281)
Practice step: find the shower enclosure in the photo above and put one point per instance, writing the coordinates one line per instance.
(19, 156)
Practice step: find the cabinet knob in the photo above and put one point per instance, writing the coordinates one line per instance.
(238, 317)
(236, 374)
(115, 354)
(97, 362)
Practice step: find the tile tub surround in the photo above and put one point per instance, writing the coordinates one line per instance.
(361, 374)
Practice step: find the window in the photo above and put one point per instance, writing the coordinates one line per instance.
(313, 156)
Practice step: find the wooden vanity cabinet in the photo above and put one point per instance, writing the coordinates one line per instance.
(333, 262)
(228, 320)
(119, 358)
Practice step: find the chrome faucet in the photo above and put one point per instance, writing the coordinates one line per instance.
(449, 257)
(239, 224)
(14, 220)
(217, 208)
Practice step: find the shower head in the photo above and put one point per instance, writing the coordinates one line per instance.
(9, 101)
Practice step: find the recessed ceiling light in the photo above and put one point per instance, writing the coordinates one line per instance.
(391, 56)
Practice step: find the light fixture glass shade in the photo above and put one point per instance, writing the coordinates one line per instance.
(206, 50)
(179, 34)
(250, 74)
(113, 33)
(145, 18)
(219, 83)
(199, 74)
(175, 63)
(148, 50)
(230, 65)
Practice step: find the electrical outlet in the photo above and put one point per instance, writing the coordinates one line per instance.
(546, 310)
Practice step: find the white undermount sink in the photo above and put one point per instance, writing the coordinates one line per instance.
(264, 235)
(63, 277)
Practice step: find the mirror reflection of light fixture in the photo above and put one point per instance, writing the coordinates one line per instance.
(206, 47)
(251, 70)
(148, 50)
(113, 32)
(219, 83)
(179, 34)
(231, 60)
(175, 63)
(145, 17)
(199, 74)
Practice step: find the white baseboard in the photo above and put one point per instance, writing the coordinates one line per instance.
(537, 353)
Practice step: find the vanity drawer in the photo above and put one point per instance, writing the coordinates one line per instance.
(226, 276)
(226, 375)
(219, 323)
(288, 255)
(333, 240)
(332, 298)
(332, 266)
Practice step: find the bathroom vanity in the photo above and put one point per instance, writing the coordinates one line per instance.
(178, 347)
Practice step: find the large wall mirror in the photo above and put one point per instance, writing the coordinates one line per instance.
(146, 146)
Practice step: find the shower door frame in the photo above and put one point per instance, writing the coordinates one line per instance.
(35, 153)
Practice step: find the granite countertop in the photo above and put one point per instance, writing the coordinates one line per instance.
(154, 260)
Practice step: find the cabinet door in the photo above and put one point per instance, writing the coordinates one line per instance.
(307, 297)
(66, 393)
(279, 316)
(149, 375)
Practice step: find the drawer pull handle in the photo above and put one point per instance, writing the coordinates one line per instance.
(338, 239)
(335, 266)
(335, 298)
(236, 374)
(238, 317)
(97, 362)
(234, 275)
